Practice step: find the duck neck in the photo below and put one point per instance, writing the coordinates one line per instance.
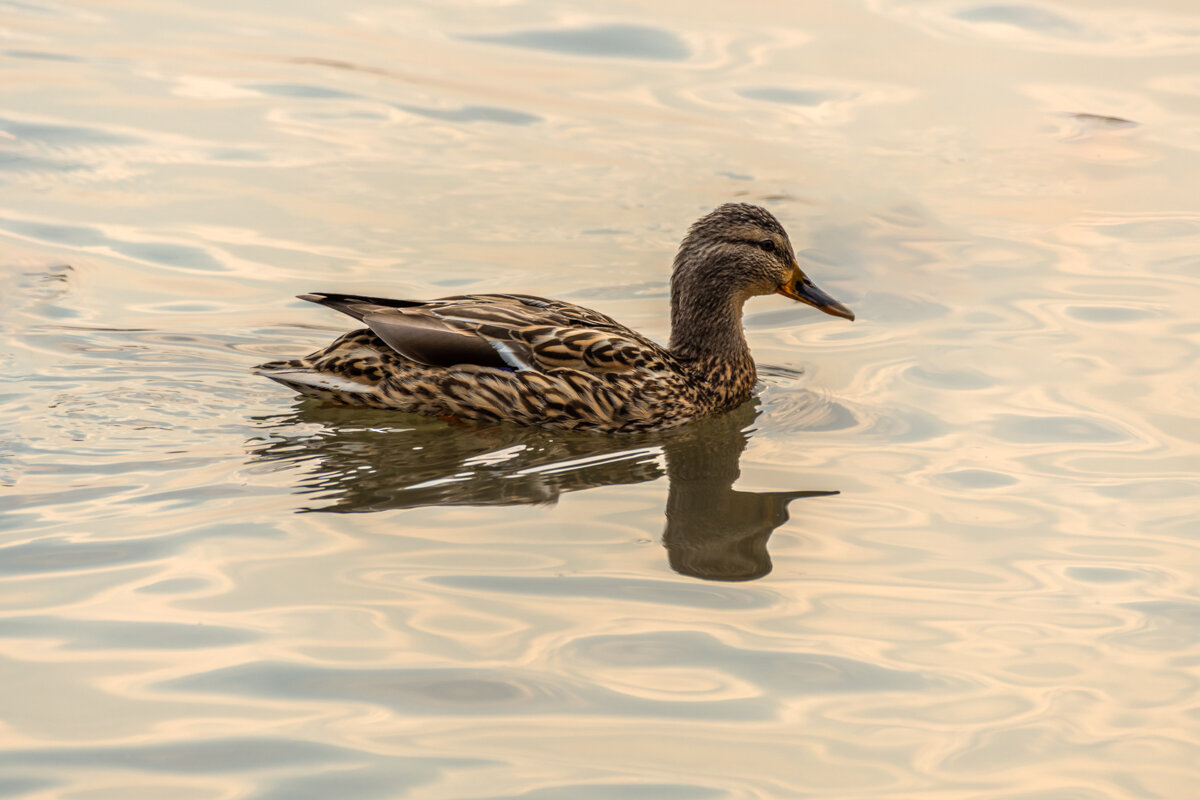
(707, 336)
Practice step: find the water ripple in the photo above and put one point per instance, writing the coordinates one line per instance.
(213, 590)
(640, 591)
(450, 691)
(1054, 28)
(602, 41)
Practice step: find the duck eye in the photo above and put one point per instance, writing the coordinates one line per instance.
(767, 246)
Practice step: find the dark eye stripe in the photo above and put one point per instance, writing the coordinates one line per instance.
(766, 245)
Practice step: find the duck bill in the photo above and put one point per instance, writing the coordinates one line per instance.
(799, 287)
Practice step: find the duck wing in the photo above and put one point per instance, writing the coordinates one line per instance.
(506, 331)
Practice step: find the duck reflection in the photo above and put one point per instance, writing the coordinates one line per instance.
(360, 461)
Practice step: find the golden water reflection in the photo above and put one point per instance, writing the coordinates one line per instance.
(1002, 602)
(357, 461)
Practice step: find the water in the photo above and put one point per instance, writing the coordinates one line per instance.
(213, 590)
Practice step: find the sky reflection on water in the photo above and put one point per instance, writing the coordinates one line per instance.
(1001, 601)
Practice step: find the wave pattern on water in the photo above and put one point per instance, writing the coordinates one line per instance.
(950, 550)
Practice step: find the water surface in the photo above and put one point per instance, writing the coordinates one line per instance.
(211, 589)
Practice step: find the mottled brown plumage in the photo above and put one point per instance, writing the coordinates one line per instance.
(542, 362)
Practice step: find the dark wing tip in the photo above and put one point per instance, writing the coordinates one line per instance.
(312, 298)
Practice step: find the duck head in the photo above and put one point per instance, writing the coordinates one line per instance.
(744, 249)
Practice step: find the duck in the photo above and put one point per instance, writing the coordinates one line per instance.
(532, 361)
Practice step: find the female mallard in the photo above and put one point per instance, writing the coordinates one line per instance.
(558, 365)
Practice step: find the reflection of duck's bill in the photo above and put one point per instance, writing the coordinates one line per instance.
(798, 495)
(800, 287)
